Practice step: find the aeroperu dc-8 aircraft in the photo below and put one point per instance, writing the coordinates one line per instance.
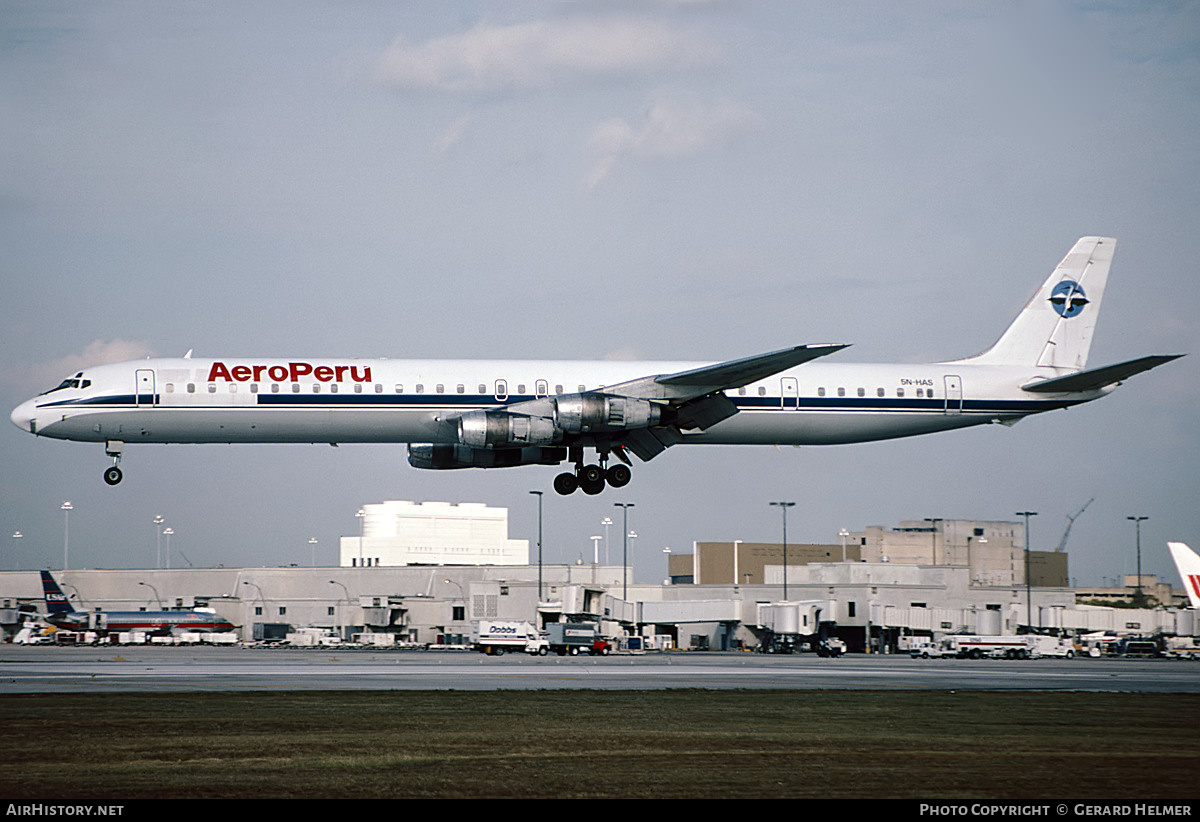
(503, 413)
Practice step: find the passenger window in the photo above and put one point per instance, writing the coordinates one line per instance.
(295, 388)
(742, 391)
(820, 392)
(420, 388)
(333, 388)
(212, 388)
(581, 389)
(378, 388)
(357, 388)
(233, 388)
(441, 389)
(170, 388)
(399, 388)
(316, 388)
(841, 392)
(558, 389)
(520, 388)
(462, 389)
(862, 392)
(274, 388)
(762, 391)
(899, 392)
(482, 388)
(879, 392)
(253, 388)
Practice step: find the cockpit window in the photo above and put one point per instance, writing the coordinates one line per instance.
(70, 382)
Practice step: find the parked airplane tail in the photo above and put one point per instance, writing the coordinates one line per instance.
(1188, 564)
(56, 600)
(1055, 328)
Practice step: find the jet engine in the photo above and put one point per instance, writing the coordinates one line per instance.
(598, 413)
(501, 429)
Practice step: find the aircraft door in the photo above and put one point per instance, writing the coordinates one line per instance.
(144, 390)
(789, 389)
(501, 390)
(954, 395)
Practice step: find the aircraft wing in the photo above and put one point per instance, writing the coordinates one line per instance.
(1093, 379)
(695, 399)
(685, 385)
(684, 401)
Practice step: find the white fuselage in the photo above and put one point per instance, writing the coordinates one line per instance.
(279, 400)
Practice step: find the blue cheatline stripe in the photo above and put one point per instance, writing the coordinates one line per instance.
(415, 402)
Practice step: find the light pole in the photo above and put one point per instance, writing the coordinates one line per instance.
(606, 522)
(1137, 521)
(736, 544)
(156, 596)
(167, 533)
(66, 507)
(538, 494)
(344, 591)
(843, 534)
(158, 521)
(1028, 583)
(595, 549)
(361, 514)
(16, 536)
(783, 506)
(313, 542)
(667, 551)
(624, 506)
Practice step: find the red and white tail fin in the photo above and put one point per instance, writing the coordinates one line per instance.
(1189, 568)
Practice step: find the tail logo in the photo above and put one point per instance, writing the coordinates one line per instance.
(1068, 299)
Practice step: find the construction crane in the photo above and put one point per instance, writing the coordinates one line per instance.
(1062, 543)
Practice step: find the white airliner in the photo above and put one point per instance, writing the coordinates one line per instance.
(1188, 564)
(500, 413)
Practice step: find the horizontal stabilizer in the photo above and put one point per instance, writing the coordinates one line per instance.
(1094, 379)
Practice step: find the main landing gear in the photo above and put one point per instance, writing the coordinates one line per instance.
(591, 479)
(113, 475)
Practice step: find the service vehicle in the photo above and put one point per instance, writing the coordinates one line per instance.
(575, 638)
(931, 650)
(495, 637)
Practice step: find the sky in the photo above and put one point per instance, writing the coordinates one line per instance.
(588, 180)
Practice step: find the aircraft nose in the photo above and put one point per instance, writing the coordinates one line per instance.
(23, 415)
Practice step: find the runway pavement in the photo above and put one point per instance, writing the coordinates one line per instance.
(48, 669)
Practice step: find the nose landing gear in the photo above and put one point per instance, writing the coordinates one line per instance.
(113, 475)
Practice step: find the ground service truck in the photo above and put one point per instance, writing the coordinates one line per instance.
(494, 637)
(576, 638)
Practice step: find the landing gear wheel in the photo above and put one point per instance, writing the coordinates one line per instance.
(619, 475)
(113, 475)
(591, 479)
(591, 474)
(566, 484)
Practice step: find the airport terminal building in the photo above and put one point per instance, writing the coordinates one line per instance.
(873, 589)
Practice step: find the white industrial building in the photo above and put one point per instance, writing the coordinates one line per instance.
(432, 533)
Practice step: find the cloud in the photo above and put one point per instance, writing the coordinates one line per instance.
(671, 128)
(542, 53)
(31, 378)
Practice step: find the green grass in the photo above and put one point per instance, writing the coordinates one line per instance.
(726, 744)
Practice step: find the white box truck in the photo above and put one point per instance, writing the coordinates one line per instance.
(494, 637)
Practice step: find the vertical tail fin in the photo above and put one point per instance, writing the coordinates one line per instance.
(1055, 328)
(56, 600)
(1189, 568)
